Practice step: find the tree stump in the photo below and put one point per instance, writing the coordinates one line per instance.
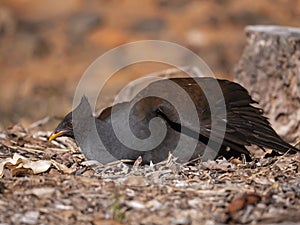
(270, 69)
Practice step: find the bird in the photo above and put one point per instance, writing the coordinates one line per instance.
(229, 121)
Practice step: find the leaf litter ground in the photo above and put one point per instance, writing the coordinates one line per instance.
(52, 183)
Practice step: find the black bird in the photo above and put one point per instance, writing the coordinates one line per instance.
(228, 122)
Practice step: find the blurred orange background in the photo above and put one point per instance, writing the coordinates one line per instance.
(45, 46)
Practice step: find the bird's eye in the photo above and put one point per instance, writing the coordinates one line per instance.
(70, 124)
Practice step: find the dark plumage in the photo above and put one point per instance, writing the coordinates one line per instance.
(245, 124)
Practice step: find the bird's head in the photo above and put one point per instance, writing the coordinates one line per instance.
(66, 127)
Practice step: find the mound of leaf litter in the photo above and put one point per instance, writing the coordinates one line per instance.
(52, 183)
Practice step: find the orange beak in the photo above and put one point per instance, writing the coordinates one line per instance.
(55, 135)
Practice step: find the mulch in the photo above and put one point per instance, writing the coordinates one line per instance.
(46, 182)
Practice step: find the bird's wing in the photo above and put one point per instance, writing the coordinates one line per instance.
(105, 113)
(244, 124)
(230, 119)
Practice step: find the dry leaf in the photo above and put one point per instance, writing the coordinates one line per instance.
(137, 163)
(236, 161)
(62, 167)
(241, 201)
(21, 165)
